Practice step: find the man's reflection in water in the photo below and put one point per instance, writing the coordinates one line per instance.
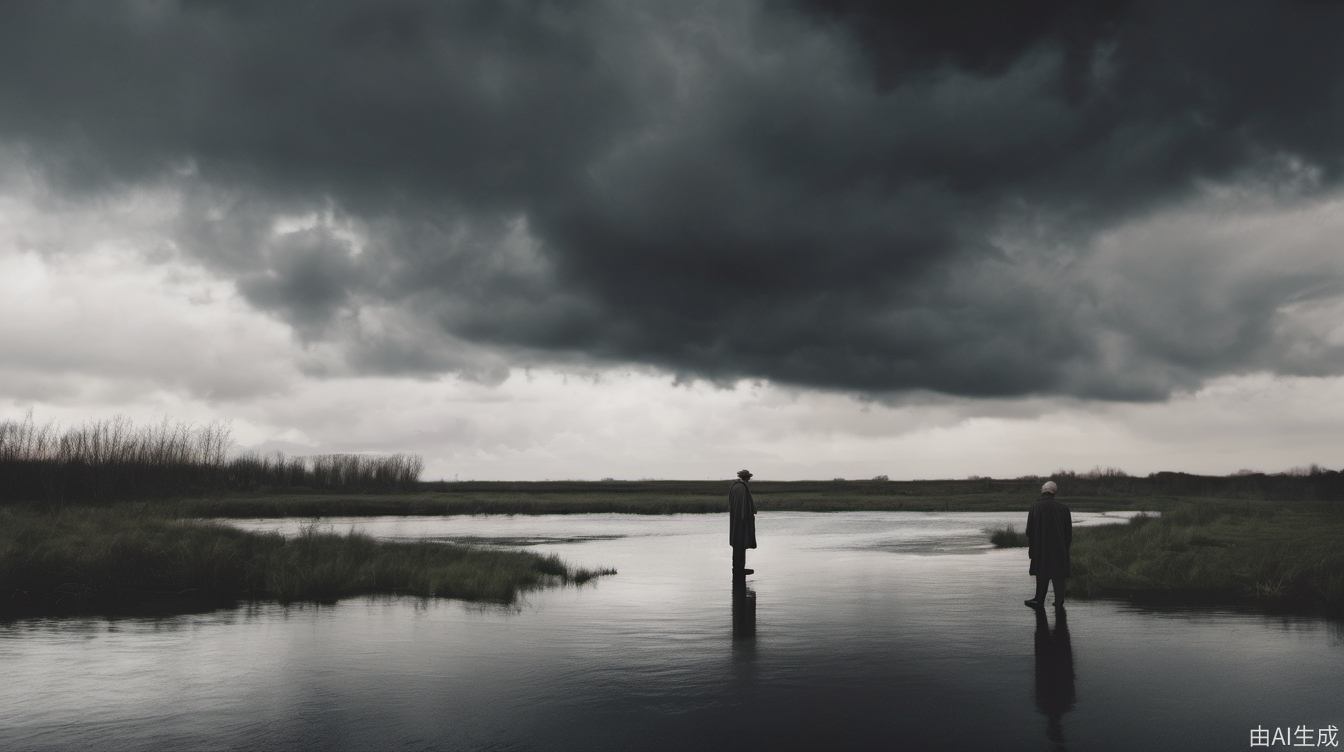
(744, 610)
(1054, 673)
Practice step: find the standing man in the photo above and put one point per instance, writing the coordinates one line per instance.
(1049, 538)
(741, 521)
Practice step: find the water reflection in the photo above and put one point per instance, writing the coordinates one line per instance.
(744, 609)
(1055, 694)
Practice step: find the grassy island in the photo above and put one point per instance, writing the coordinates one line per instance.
(1271, 556)
(133, 558)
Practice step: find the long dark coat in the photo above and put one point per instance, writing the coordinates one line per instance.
(1049, 537)
(741, 516)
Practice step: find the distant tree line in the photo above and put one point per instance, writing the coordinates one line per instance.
(114, 459)
(1310, 483)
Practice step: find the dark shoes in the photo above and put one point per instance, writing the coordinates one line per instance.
(1033, 603)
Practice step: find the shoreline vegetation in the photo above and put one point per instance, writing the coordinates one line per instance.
(710, 497)
(116, 460)
(1276, 557)
(134, 558)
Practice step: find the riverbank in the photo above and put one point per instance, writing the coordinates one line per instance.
(1277, 557)
(134, 558)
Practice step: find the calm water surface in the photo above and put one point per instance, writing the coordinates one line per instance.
(859, 630)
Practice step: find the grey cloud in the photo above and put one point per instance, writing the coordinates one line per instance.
(309, 278)
(825, 194)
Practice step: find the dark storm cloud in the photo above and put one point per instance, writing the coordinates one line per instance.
(846, 195)
(310, 279)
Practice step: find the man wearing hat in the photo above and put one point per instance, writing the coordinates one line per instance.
(741, 521)
(1049, 537)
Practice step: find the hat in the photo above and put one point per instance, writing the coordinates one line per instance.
(744, 474)
(1049, 488)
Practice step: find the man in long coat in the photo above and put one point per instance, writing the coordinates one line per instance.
(1049, 538)
(741, 521)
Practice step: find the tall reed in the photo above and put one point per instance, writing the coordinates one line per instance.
(115, 459)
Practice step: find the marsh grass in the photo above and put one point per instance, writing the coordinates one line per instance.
(115, 459)
(1007, 537)
(1274, 556)
(132, 557)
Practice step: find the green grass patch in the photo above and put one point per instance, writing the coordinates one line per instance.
(1272, 556)
(134, 557)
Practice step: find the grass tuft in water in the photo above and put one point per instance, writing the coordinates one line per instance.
(1007, 537)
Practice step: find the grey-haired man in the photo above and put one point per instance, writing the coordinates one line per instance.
(1049, 538)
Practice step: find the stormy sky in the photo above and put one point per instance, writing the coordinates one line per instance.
(647, 239)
